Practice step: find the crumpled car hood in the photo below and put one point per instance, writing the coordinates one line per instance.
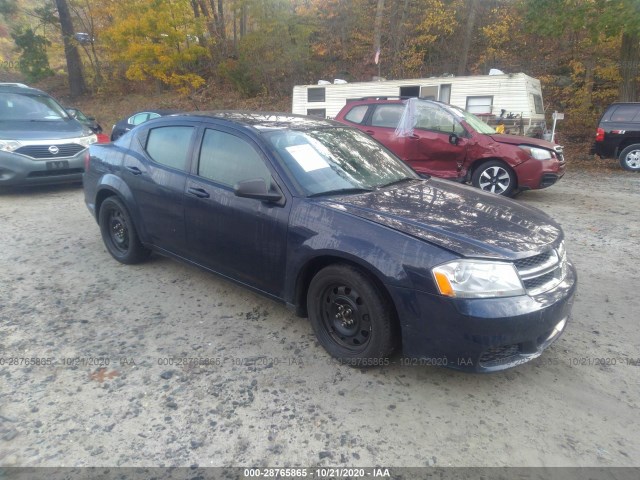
(458, 218)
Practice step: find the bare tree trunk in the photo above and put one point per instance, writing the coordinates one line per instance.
(468, 35)
(77, 84)
(221, 25)
(243, 20)
(629, 67)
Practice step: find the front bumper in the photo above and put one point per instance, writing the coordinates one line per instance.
(18, 169)
(536, 174)
(482, 335)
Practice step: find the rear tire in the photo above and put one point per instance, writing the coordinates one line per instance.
(351, 317)
(119, 234)
(630, 158)
(494, 176)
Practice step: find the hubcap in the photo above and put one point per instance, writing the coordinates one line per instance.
(494, 180)
(346, 317)
(633, 159)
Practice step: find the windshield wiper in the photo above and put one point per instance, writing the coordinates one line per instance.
(395, 182)
(341, 191)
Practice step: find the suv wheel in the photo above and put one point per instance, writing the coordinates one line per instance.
(630, 158)
(494, 177)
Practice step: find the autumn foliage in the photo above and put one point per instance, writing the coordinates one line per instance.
(586, 52)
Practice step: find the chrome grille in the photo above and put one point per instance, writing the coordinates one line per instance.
(542, 272)
(531, 262)
(44, 151)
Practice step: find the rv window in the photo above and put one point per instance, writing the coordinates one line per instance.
(356, 114)
(315, 94)
(429, 92)
(317, 112)
(478, 105)
(410, 91)
(445, 93)
(537, 101)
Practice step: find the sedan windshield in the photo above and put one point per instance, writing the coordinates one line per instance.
(338, 161)
(21, 107)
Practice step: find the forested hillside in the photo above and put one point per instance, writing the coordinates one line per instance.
(586, 52)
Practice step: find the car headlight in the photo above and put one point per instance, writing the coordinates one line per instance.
(88, 140)
(477, 279)
(9, 145)
(537, 153)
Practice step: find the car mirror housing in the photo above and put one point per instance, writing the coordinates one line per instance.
(454, 139)
(257, 189)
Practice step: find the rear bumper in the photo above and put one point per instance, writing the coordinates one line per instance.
(482, 335)
(21, 170)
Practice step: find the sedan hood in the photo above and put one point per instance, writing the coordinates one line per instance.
(519, 140)
(458, 218)
(41, 130)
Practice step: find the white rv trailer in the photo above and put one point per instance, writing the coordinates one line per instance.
(515, 96)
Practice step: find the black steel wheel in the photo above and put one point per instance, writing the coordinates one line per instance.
(494, 177)
(119, 234)
(350, 316)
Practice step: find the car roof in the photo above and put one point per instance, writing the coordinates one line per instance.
(155, 110)
(262, 121)
(20, 88)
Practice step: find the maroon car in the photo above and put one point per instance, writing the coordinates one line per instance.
(448, 142)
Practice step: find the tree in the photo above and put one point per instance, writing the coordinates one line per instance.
(596, 21)
(77, 84)
(156, 39)
(34, 63)
(472, 7)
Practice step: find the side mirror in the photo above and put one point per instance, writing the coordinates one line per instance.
(256, 188)
(73, 113)
(454, 139)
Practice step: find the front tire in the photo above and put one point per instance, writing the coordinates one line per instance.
(351, 317)
(630, 158)
(494, 177)
(119, 234)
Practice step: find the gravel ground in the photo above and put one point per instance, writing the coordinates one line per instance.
(108, 388)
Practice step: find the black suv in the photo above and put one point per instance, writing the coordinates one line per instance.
(618, 135)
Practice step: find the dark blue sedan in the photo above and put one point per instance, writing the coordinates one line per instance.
(321, 217)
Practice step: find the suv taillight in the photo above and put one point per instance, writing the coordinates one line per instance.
(87, 158)
(600, 135)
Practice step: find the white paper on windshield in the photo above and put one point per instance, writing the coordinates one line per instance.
(307, 157)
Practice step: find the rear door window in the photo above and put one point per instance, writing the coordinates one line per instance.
(387, 115)
(625, 113)
(169, 146)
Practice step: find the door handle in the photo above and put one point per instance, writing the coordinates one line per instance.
(134, 170)
(198, 192)
(370, 132)
(414, 137)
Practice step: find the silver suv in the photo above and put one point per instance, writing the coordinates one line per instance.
(39, 141)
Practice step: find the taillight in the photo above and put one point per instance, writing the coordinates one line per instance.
(87, 159)
(600, 135)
